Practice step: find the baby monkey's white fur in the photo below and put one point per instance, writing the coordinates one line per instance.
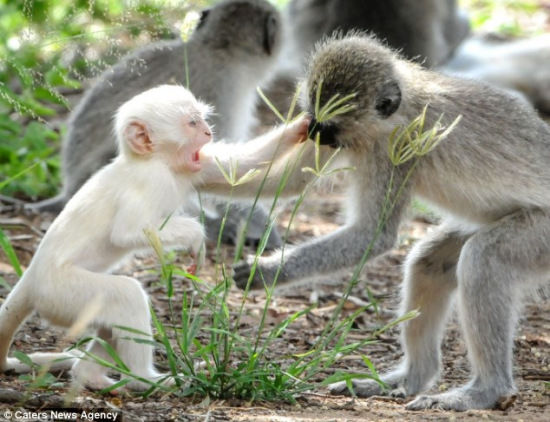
(160, 133)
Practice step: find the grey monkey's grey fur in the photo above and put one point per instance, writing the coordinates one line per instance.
(491, 178)
(229, 54)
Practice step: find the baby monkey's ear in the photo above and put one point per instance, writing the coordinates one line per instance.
(136, 135)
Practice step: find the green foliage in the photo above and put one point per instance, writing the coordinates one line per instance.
(335, 106)
(6, 246)
(510, 17)
(31, 151)
(46, 48)
(212, 359)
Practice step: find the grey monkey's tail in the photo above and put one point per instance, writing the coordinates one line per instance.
(54, 204)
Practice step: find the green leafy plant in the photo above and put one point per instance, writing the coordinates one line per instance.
(29, 151)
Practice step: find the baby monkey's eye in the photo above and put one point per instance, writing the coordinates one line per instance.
(193, 123)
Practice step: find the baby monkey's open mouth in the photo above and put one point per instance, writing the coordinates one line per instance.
(191, 161)
(195, 161)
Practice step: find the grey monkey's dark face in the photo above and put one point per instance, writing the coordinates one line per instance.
(358, 66)
(331, 131)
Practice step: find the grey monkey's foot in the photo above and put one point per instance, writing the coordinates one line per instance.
(464, 398)
(242, 270)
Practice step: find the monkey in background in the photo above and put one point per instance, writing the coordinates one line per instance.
(489, 177)
(427, 31)
(436, 33)
(230, 53)
(165, 154)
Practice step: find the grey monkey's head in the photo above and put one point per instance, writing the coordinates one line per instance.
(242, 27)
(355, 64)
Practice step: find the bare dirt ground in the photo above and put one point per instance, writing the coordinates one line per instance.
(383, 277)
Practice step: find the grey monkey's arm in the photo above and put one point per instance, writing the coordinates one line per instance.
(333, 252)
(323, 255)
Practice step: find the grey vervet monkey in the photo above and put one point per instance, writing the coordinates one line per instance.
(229, 54)
(491, 179)
(427, 31)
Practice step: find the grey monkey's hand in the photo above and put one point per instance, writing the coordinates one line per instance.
(264, 274)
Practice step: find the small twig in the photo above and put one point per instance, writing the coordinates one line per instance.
(19, 222)
(535, 375)
(321, 395)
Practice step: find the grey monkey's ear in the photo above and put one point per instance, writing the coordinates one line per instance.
(202, 20)
(270, 33)
(388, 99)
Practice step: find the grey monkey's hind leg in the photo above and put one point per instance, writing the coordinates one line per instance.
(257, 226)
(493, 270)
(236, 220)
(428, 284)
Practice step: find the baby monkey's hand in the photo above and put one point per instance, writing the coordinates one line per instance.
(297, 131)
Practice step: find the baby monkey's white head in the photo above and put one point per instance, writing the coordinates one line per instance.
(165, 122)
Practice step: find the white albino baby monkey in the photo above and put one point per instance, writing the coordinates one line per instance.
(160, 134)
